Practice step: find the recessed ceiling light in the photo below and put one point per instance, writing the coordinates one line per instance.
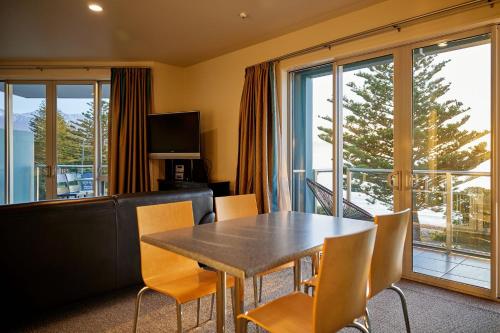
(443, 44)
(95, 7)
(243, 15)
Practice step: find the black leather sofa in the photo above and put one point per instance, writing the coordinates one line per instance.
(57, 252)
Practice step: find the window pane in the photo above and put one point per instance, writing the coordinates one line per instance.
(29, 142)
(2, 143)
(451, 160)
(311, 135)
(75, 140)
(105, 94)
(366, 101)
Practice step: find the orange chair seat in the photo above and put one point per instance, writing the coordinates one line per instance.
(291, 313)
(187, 287)
(278, 268)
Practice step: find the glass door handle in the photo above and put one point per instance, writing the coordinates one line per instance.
(394, 180)
(51, 171)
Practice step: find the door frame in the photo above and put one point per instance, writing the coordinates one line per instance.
(406, 166)
(403, 85)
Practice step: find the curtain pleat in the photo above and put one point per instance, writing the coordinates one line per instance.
(259, 142)
(131, 101)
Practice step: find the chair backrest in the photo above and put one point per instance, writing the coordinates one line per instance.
(387, 262)
(341, 291)
(235, 206)
(325, 199)
(159, 218)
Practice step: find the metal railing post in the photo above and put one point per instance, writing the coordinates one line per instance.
(37, 186)
(348, 183)
(449, 211)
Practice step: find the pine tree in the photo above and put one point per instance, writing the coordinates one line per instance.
(75, 139)
(440, 141)
(83, 130)
(38, 126)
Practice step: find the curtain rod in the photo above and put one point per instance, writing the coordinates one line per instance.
(41, 68)
(462, 7)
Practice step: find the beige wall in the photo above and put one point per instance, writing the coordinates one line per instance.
(215, 86)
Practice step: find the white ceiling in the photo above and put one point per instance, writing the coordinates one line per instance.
(177, 32)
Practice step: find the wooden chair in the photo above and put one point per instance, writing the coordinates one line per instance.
(166, 272)
(238, 206)
(340, 297)
(387, 262)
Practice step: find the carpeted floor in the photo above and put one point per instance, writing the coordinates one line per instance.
(431, 310)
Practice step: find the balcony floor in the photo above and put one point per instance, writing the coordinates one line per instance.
(456, 267)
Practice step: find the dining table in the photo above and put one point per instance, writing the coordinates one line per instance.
(248, 246)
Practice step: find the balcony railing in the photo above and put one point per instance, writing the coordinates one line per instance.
(72, 181)
(437, 196)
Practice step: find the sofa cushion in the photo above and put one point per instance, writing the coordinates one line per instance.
(55, 252)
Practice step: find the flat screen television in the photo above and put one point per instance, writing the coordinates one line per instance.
(174, 135)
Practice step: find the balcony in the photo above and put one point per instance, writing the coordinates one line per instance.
(73, 181)
(451, 217)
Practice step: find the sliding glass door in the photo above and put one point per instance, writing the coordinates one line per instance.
(451, 161)
(75, 135)
(311, 135)
(411, 127)
(365, 104)
(52, 139)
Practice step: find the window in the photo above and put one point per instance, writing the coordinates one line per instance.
(311, 134)
(56, 139)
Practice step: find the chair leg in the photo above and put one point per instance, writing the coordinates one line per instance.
(403, 303)
(255, 296)
(368, 323)
(198, 301)
(138, 306)
(179, 317)
(233, 304)
(260, 288)
(244, 325)
(212, 306)
(306, 289)
(359, 327)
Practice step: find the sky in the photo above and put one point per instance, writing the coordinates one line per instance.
(67, 105)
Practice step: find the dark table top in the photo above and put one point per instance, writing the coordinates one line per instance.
(247, 246)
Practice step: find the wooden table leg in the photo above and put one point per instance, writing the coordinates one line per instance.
(239, 304)
(297, 278)
(221, 301)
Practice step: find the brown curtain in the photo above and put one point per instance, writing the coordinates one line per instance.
(259, 168)
(131, 101)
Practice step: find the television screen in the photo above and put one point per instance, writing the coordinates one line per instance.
(174, 135)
